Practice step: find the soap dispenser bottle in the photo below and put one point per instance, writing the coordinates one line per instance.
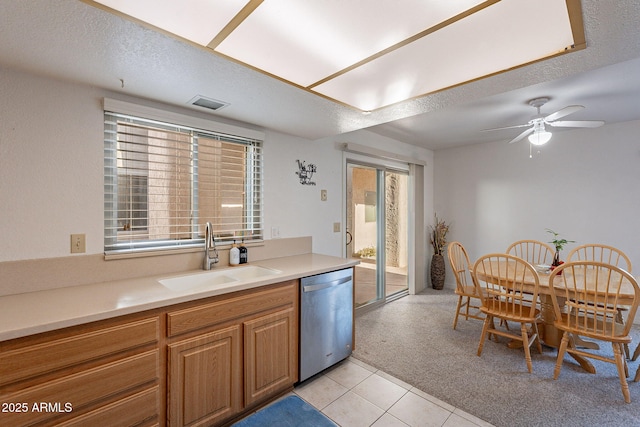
(243, 253)
(234, 254)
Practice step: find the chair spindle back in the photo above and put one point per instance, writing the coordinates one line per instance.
(507, 283)
(592, 294)
(601, 253)
(532, 251)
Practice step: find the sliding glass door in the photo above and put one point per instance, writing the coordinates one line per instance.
(377, 231)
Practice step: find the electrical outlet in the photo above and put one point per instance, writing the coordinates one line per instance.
(323, 195)
(275, 232)
(336, 227)
(78, 244)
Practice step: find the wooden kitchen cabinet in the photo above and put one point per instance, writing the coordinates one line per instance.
(204, 362)
(90, 372)
(270, 354)
(205, 378)
(229, 354)
(122, 413)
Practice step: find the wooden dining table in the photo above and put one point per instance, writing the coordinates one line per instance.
(549, 334)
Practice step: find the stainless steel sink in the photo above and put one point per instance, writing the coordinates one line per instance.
(212, 279)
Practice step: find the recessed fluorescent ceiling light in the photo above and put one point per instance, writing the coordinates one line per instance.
(370, 54)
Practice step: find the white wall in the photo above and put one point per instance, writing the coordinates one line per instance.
(51, 171)
(584, 184)
(51, 168)
(294, 208)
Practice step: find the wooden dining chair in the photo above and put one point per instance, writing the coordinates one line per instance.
(500, 282)
(601, 253)
(592, 293)
(468, 298)
(608, 255)
(532, 251)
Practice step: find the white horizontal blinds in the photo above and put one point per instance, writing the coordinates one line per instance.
(229, 195)
(164, 181)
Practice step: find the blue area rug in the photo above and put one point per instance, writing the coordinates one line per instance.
(288, 412)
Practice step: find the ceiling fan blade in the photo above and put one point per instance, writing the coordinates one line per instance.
(521, 136)
(506, 127)
(577, 123)
(564, 112)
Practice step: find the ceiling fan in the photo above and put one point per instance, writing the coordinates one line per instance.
(537, 133)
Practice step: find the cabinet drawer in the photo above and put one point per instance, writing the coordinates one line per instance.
(30, 360)
(231, 307)
(132, 410)
(76, 391)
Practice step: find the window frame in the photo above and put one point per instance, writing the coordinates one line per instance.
(252, 214)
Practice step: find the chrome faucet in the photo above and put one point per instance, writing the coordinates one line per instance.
(209, 244)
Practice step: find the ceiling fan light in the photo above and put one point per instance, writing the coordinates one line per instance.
(540, 138)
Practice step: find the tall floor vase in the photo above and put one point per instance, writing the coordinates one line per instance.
(437, 271)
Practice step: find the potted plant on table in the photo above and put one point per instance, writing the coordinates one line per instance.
(558, 243)
(438, 238)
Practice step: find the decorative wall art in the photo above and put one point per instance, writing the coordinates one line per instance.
(306, 172)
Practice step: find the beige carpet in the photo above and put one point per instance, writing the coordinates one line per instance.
(412, 339)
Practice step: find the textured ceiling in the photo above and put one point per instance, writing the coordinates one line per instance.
(70, 40)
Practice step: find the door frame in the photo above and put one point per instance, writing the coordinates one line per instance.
(416, 270)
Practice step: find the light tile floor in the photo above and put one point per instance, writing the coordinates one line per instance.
(354, 394)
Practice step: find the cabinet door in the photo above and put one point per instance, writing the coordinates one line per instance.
(271, 354)
(205, 378)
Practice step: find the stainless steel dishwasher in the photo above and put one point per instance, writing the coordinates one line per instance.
(326, 320)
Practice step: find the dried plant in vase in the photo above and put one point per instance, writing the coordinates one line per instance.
(438, 236)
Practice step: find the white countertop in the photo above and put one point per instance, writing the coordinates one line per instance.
(35, 312)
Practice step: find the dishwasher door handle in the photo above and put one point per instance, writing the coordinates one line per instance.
(320, 286)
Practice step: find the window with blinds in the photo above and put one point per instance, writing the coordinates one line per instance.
(163, 182)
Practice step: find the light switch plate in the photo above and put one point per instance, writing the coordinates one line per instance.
(336, 227)
(323, 195)
(78, 244)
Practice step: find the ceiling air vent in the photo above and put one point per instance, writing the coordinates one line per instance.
(209, 103)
